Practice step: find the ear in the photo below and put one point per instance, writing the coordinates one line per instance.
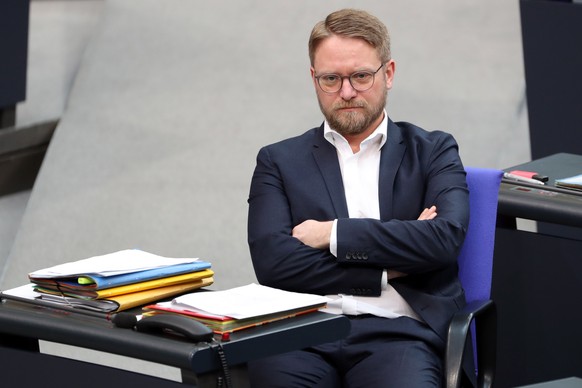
(312, 72)
(389, 69)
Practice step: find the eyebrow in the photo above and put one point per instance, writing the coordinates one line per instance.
(338, 73)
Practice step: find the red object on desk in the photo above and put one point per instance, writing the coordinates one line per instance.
(525, 174)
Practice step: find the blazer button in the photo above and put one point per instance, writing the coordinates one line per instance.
(365, 256)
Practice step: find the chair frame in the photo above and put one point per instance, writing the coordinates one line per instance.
(484, 314)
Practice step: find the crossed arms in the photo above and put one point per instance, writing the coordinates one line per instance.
(292, 202)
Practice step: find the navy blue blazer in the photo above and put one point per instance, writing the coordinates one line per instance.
(300, 178)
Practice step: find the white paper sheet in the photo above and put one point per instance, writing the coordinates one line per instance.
(247, 301)
(125, 261)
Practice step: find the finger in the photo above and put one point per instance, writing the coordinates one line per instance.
(425, 213)
(428, 213)
(431, 213)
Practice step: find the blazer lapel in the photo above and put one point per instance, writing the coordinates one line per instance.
(326, 158)
(390, 160)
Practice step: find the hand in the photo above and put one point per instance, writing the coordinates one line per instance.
(392, 274)
(428, 214)
(313, 233)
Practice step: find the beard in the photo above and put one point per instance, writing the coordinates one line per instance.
(353, 123)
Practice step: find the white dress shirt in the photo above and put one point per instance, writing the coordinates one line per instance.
(360, 173)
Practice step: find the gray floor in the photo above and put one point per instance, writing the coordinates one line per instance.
(163, 106)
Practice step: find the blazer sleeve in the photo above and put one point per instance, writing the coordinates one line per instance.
(280, 260)
(431, 173)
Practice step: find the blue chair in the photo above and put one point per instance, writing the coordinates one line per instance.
(479, 317)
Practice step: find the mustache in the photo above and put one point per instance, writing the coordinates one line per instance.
(355, 104)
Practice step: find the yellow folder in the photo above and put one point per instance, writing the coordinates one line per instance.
(134, 299)
(156, 283)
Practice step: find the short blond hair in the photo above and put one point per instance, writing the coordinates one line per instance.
(352, 23)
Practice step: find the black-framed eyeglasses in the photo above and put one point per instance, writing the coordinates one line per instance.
(360, 80)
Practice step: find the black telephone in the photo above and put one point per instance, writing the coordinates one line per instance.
(188, 327)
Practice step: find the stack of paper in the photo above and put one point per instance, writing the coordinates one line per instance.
(574, 182)
(120, 280)
(240, 308)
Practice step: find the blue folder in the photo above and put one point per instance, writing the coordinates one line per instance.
(102, 282)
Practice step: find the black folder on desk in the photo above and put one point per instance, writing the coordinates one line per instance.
(26, 294)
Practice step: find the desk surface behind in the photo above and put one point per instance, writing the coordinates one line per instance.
(544, 203)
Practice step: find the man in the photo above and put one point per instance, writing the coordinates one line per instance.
(367, 211)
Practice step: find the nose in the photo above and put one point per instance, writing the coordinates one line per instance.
(347, 92)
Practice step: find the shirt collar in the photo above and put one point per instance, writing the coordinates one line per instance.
(379, 135)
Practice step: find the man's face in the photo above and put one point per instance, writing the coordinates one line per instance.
(349, 111)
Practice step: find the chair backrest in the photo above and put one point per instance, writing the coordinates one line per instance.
(476, 257)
